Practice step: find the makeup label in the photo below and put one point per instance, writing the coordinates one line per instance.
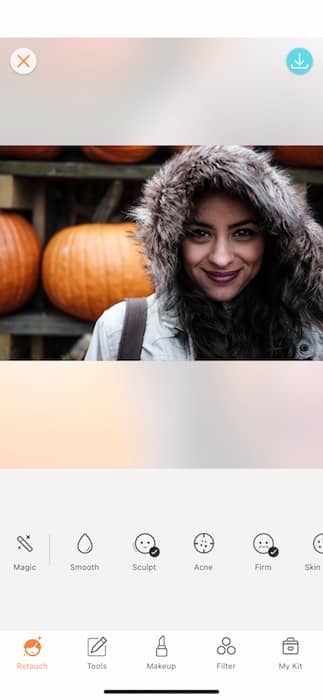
(161, 667)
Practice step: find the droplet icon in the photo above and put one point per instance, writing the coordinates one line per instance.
(85, 544)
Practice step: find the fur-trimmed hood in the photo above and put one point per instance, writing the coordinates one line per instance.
(167, 200)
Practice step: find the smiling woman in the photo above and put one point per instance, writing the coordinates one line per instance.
(224, 246)
(236, 259)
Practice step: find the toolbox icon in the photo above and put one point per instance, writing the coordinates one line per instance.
(290, 646)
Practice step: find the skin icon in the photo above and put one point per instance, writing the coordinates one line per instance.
(318, 543)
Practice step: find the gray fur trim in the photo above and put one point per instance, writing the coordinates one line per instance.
(166, 202)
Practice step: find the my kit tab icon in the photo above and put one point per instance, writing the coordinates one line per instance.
(290, 646)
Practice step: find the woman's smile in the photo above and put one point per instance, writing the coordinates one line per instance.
(222, 277)
(224, 245)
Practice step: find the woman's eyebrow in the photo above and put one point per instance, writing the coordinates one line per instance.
(195, 222)
(244, 222)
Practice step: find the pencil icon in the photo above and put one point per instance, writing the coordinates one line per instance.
(95, 645)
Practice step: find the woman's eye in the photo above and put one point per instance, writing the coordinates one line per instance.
(244, 233)
(198, 233)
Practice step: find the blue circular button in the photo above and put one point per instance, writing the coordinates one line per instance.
(299, 61)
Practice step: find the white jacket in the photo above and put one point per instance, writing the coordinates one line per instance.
(160, 340)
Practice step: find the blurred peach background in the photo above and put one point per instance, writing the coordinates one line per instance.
(160, 415)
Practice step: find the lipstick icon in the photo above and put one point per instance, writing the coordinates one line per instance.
(161, 647)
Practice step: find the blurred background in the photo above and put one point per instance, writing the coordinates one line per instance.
(67, 250)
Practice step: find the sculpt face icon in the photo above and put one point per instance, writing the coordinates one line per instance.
(204, 543)
(144, 543)
(318, 543)
(263, 543)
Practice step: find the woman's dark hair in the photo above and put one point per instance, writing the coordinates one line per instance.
(263, 322)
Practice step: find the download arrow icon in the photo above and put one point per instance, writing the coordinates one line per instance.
(299, 61)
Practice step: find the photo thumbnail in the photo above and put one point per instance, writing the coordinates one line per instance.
(161, 253)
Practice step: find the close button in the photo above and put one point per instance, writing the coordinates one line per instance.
(23, 61)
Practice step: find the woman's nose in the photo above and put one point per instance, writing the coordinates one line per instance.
(221, 253)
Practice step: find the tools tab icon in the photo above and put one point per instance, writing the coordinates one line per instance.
(97, 646)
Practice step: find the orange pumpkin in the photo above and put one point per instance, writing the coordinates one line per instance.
(88, 268)
(299, 156)
(119, 154)
(20, 250)
(30, 152)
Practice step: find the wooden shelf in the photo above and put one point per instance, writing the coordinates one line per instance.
(308, 176)
(81, 170)
(107, 171)
(43, 323)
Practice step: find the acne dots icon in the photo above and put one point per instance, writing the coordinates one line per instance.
(203, 543)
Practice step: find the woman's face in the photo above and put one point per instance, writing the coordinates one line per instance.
(224, 246)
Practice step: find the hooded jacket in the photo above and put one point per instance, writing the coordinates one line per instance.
(161, 214)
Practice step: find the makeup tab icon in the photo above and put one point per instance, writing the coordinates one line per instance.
(161, 647)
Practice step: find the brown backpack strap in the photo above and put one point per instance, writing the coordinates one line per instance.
(133, 330)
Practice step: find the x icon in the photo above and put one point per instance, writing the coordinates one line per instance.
(23, 61)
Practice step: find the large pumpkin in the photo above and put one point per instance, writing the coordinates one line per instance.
(30, 152)
(20, 250)
(299, 156)
(88, 268)
(119, 154)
